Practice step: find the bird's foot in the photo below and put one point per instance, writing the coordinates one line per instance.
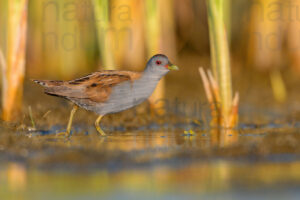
(100, 132)
(63, 135)
(97, 125)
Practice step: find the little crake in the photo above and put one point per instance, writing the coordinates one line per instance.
(112, 91)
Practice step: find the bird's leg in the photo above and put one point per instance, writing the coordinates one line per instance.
(68, 131)
(97, 125)
(74, 109)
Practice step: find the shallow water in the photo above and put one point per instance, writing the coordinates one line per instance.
(248, 163)
(218, 179)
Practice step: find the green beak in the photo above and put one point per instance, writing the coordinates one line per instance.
(173, 67)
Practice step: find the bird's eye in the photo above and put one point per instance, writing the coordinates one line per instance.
(158, 62)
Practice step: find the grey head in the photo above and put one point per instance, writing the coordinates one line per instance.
(159, 65)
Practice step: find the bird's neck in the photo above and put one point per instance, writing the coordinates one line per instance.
(150, 76)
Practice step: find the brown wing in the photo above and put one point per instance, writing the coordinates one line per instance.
(95, 87)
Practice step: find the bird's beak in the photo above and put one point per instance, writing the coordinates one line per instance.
(172, 67)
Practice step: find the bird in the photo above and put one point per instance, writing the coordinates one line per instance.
(109, 91)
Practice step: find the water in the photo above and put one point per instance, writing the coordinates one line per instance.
(253, 162)
(212, 180)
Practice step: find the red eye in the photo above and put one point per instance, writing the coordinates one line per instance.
(158, 62)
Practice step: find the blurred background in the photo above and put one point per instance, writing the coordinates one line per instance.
(70, 38)
(66, 39)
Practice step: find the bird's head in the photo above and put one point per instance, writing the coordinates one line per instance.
(160, 65)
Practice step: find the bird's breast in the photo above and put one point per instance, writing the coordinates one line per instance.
(128, 94)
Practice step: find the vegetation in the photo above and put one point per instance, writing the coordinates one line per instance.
(14, 64)
(104, 32)
(218, 85)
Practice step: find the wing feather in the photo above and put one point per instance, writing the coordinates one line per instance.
(95, 87)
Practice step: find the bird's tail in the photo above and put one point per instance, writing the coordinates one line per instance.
(46, 83)
(54, 88)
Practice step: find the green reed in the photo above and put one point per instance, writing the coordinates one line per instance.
(153, 35)
(105, 34)
(220, 57)
(153, 30)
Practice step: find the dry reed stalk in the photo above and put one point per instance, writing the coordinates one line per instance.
(234, 115)
(267, 38)
(213, 96)
(293, 35)
(206, 85)
(127, 19)
(14, 69)
(168, 29)
(264, 53)
(211, 93)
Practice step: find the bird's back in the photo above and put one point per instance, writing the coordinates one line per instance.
(95, 86)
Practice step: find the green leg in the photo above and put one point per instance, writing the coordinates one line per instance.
(97, 125)
(68, 131)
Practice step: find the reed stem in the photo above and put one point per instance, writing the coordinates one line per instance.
(105, 33)
(153, 30)
(278, 86)
(14, 67)
(153, 44)
(220, 56)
